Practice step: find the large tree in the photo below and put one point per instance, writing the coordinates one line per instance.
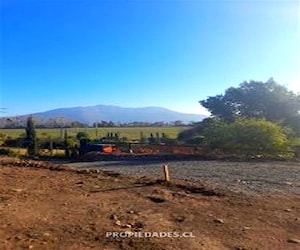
(254, 99)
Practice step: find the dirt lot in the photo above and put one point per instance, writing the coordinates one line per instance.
(46, 206)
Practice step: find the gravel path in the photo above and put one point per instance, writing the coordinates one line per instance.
(245, 177)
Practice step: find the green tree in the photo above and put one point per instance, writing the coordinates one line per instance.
(66, 144)
(82, 135)
(31, 140)
(254, 99)
(294, 123)
(143, 139)
(193, 135)
(50, 144)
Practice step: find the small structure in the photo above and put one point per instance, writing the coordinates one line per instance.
(97, 147)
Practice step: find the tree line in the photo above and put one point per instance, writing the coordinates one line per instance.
(256, 118)
(17, 122)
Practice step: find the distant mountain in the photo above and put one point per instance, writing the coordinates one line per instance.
(119, 114)
(115, 114)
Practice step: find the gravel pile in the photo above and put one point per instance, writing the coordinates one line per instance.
(245, 177)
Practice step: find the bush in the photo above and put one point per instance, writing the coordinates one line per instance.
(247, 137)
(193, 135)
(6, 151)
(294, 123)
(195, 140)
(82, 135)
(14, 142)
(48, 143)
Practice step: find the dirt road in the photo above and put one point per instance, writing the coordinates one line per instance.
(245, 177)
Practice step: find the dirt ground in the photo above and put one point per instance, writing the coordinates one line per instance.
(47, 206)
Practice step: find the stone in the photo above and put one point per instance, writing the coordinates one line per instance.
(118, 223)
(218, 220)
(293, 240)
(139, 225)
(18, 190)
(180, 218)
(240, 248)
(113, 217)
(156, 199)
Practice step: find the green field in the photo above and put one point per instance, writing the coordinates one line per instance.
(132, 133)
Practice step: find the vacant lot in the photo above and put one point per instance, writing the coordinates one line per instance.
(48, 206)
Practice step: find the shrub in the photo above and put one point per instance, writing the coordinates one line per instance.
(6, 151)
(190, 135)
(247, 136)
(14, 142)
(82, 135)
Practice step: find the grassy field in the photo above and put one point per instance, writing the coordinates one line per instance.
(131, 133)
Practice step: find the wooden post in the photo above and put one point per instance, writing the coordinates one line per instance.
(166, 172)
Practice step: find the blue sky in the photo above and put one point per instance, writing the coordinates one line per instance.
(65, 53)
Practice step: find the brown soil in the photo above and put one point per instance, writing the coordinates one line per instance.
(45, 206)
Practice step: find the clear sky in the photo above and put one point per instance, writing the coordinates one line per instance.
(137, 53)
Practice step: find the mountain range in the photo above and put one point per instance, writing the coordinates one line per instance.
(116, 114)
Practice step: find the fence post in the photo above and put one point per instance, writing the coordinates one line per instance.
(166, 172)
